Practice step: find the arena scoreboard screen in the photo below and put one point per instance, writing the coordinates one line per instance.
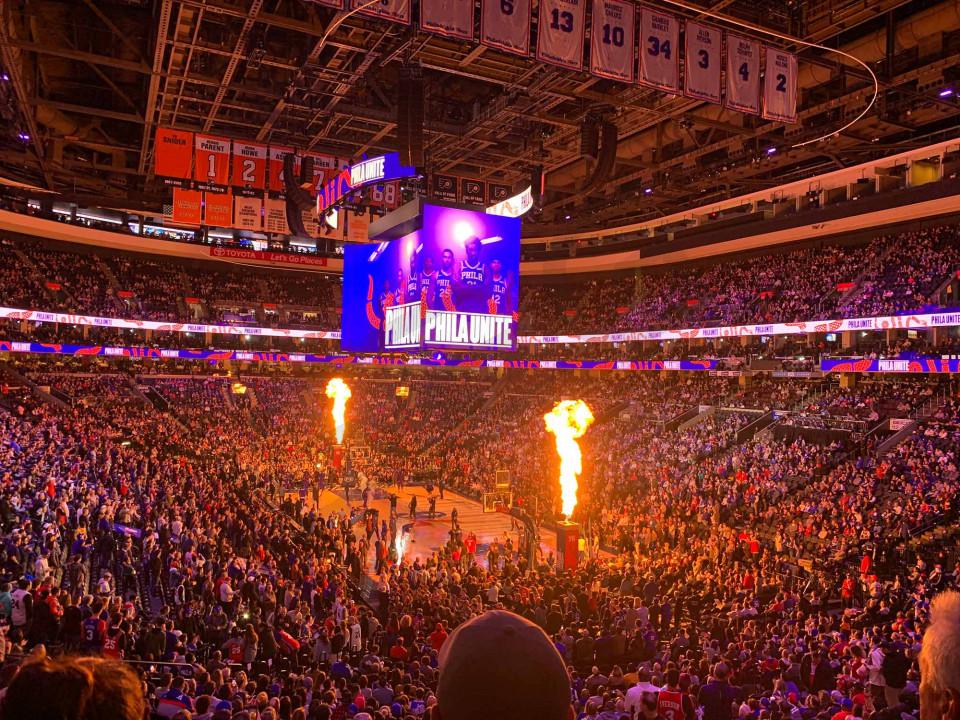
(451, 284)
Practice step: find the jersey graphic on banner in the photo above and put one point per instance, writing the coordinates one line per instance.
(249, 166)
(780, 86)
(453, 18)
(560, 33)
(172, 153)
(613, 40)
(505, 25)
(212, 161)
(395, 10)
(659, 43)
(275, 168)
(743, 74)
(704, 56)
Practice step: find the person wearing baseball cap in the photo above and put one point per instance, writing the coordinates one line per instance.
(500, 665)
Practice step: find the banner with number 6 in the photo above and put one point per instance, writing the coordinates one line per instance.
(743, 74)
(613, 39)
(659, 44)
(704, 55)
(560, 32)
(780, 86)
(505, 25)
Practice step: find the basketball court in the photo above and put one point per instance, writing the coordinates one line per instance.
(428, 535)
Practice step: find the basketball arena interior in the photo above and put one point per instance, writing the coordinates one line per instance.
(479, 359)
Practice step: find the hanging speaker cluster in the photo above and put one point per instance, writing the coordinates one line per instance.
(410, 116)
(299, 198)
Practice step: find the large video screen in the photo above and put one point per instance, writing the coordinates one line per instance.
(452, 284)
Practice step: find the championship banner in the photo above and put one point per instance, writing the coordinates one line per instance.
(187, 205)
(445, 187)
(247, 213)
(275, 168)
(393, 10)
(704, 56)
(472, 191)
(358, 227)
(211, 161)
(659, 43)
(310, 224)
(613, 40)
(560, 32)
(505, 25)
(452, 18)
(498, 193)
(249, 166)
(275, 216)
(218, 209)
(172, 153)
(780, 86)
(743, 74)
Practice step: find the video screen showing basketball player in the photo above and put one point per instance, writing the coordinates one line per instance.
(413, 281)
(398, 289)
(498, 300)
(428, 279)
(443, 285)
(471, 289)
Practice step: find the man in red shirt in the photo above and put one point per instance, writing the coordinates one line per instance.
(438, 637)
(398, 651)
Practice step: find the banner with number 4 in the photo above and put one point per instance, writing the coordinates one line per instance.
(659, 41)
(743, 74)
(505, 25)
(560, 32)
(704, 55)
(780, 86)
(613, 39)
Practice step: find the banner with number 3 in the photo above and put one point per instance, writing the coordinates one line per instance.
(659, 50)
(704, 56)
(612, 41)
(560, 32)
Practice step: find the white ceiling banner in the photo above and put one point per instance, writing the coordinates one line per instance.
(505, 25)
(743, 74)
(659, 50)
(561, 27)
(704, 57)
(613, 40)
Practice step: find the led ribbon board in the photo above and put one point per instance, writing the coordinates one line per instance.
(382, 168)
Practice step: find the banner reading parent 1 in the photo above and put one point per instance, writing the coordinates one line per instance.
(452, 284)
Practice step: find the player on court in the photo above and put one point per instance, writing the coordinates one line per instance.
(472, 290)
(443, 287)
(499, 298)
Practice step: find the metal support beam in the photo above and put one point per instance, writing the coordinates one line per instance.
(239, 54)
(159, 48)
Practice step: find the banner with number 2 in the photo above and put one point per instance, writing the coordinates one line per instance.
(659, 51)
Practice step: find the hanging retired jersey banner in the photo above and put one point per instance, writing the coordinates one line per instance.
(275, 168)
(613, 40)
(172, 155)
(211, 165)
(218, 209)
(505, 25)
(248, 213)
(249, 166)
(445, 187)
(187, 206)
(780, 86)
(560, 32)
(393, 10)
(704, 56)
(659, 43)
(453, 18)
(743, 74)
(336, 4)
(324, 166)
(472, 191)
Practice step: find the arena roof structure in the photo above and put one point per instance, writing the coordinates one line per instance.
(86, 84)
